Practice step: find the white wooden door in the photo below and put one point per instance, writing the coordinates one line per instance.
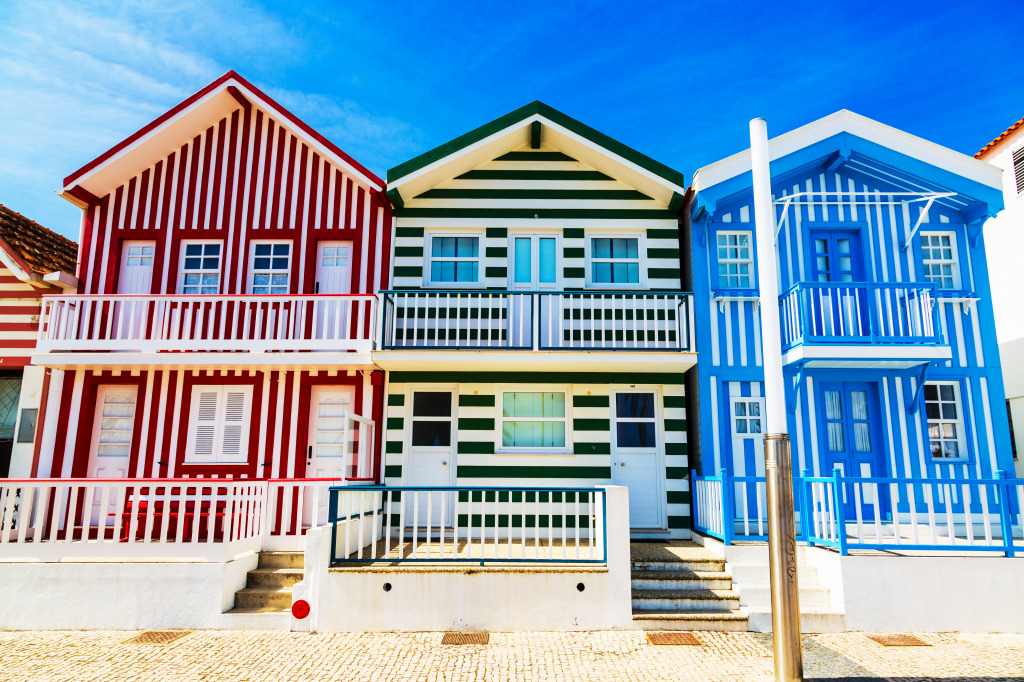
(113, 426)
(637, 461)
(136, 277)
(431, 457)
(333, 276)
(325, 456)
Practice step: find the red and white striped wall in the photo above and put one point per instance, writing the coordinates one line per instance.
(19, 318)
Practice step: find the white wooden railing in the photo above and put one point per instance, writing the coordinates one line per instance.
(538, 320)
(329, 322)
(854, 313)
(466, 524)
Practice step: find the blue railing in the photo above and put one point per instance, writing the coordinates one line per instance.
(870, 513)
(482, 319)
(468, 525)
(859, 313)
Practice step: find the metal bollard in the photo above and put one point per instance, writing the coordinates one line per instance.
(782, 559)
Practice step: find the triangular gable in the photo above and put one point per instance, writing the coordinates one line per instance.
(870, 148)
(534, 127)
(217, 100)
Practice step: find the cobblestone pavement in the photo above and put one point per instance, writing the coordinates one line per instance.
(217, 656)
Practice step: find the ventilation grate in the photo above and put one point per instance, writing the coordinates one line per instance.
(157, 637)
(674, 638)
(898, 639)
(466, 638)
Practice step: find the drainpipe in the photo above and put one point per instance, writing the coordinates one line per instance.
(777, 463)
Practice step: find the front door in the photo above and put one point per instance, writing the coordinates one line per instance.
(136, 277)
(113, 428)
(431, 458)
(333, 276)
(637, 457)
(851, 441)
(329, 408)
(534, 269)
(837, 257)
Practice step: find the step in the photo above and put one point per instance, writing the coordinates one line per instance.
(681, 580)
(685, 600)
(263, 599)
(710, 565)
(281, 560)
(813, 620)
(273, 578)
(760, 596)
(256, 619)
(704, 621)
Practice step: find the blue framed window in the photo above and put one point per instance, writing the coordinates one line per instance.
(453, 259)
(615, 261)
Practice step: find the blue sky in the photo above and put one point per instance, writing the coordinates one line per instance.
(677, 81)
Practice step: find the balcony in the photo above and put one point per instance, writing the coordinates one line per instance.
(98, 331)
(455, 330)
(829, 324)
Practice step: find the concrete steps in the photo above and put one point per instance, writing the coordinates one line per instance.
(268, 587)
(677, 585)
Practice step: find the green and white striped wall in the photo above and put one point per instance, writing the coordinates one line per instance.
(590, 462)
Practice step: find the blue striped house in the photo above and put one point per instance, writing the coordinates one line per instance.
(888, 337)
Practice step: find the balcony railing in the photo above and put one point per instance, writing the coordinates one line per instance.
(538, 320)
(859, 313)
(150, 324)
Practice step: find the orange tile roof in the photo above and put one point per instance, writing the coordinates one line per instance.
(43, 250)
(993, 143)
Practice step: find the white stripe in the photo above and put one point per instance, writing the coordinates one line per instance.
(161, 414)
(51, 424)
(715, 436)
(989, 435)
(294, 425)
(233, 199)
(240, 260)
(365, 248)
(261, 156)
(73, 419)
(172, 454)
(741, 321)
(201, 156)
(144, 437)
(975, 323)
(135, 199)
(149, 196)
(278, 422)
(106, 249)
(378, 256)
(213, 175)
(728, 334)
(813, 422)
(961, 351)
(271, 176)
(894, 469)
(305, 220)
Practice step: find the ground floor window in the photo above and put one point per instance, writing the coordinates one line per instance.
(218, 426)
(746, 416)
(945, 420)
(533, 419)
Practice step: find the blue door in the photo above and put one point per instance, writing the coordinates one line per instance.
(837, 310)
(852, 441)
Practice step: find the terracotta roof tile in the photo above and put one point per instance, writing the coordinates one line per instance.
(993, 143)
(43, 250)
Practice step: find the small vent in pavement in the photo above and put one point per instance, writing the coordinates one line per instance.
(157, 637)
(466, 638)
(898, 639)
(674, 638)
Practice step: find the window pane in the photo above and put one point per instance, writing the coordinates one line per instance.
(533, 434)
(465, 271)
(946, 391)
(948, 410)
(533, 404)
(835, 438)
(522, 256)
(431, 404)
(740, 409)
(602, 273)
(634, 405)
(861, 437)
(755, 425)
(859, 404)
(432, 434)
(635, 435)
(190, 249)
(833, 405)
(262, 249)
(755, 409)
(548, 259)
(741, 426)
(602, 248)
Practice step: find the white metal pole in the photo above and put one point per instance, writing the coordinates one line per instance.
(778, 465)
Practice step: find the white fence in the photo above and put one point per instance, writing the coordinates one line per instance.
(480, 525)
(330, 322)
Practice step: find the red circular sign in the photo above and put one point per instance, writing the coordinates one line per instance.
(300, 609)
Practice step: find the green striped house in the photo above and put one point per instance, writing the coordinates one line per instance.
(535, 333)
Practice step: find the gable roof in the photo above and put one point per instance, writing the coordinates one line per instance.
(515, 129)
(866, 145)
(1002, 136)
(218, 99)
(33, 248)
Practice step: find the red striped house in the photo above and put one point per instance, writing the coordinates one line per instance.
(33, 261)
(226, 314)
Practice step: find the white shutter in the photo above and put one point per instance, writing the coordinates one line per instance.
(1018, 169)
(218, 430)
(235, 433)
(203, 425)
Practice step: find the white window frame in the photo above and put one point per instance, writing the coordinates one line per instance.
(747, 417)
(219, 457)
(252, 263)
(428, 259)
(954, 261)
(961, 434)
(641, 252)
(499, 422)
(738, 261)
(183, 271)
(534, 236)
(101, 392)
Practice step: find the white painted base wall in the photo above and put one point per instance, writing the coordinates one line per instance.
(122, 595)
(495, 599)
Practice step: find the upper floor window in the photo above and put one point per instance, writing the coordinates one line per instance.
(1018, 169)
(615, 261)
(140, 254)
(270, 267)
(938, 250)
(735, 261)
(945, 420)
(453, 259)
(200, 268)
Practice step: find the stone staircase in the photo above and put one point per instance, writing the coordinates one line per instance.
(268, 587)
(678, 585)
